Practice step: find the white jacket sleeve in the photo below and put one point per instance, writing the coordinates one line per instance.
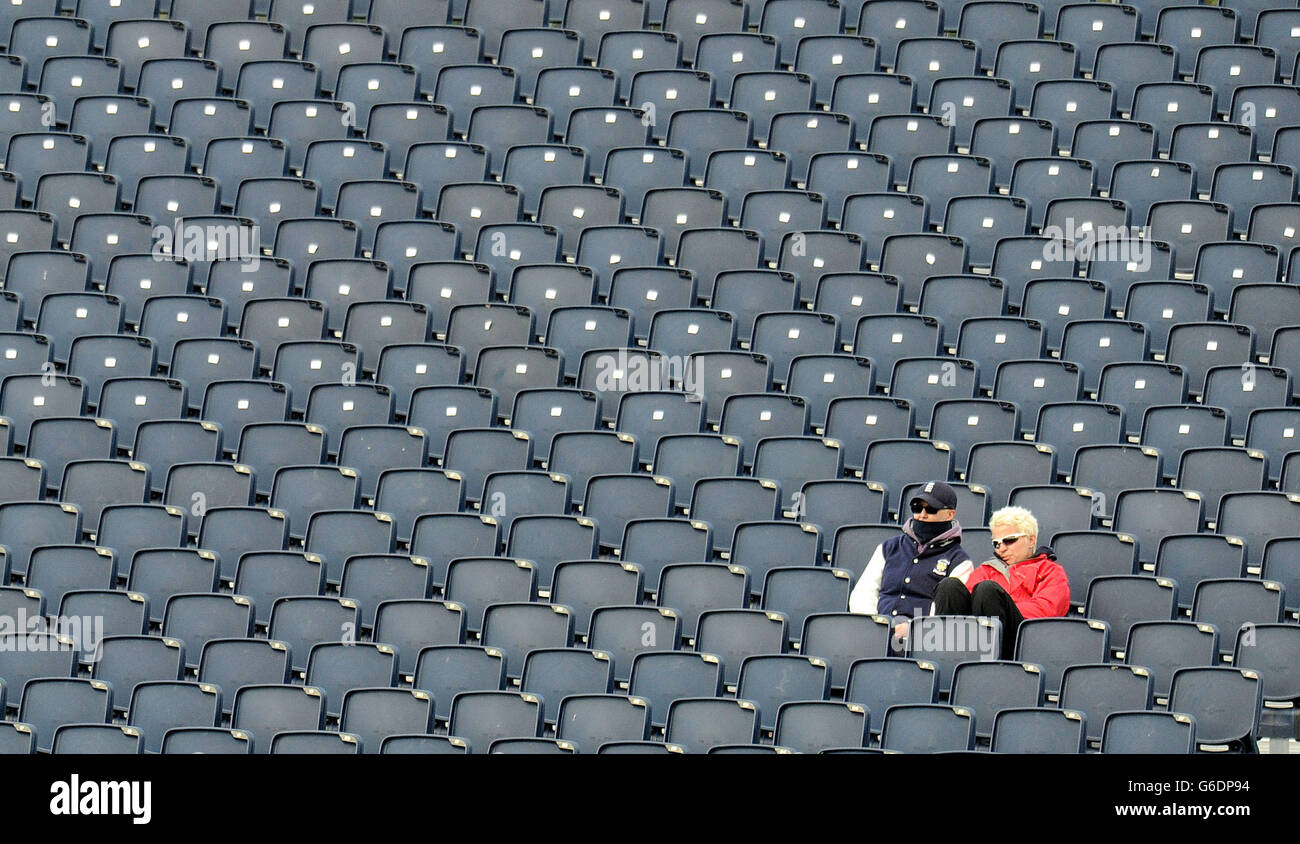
(867, 591)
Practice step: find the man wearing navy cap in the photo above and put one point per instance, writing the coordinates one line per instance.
(904, 571)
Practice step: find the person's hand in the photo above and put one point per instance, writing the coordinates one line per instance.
(900, 630)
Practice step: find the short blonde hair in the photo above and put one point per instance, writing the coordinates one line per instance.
(1018, 517)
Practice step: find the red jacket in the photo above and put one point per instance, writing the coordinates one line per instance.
(1038, 585)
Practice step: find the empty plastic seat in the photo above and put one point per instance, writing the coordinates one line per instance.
(1264, 307)
(442, 537)
(654, 543)
(92, 485)
(1188, 30)
(266, 710)
(37, 655)
(928, 728)
(1028, 730)
(1164, 105)
(56, 569)
(1198, 346)
(895, 20)
(1264, 648)
(1056, 643)
(447, 670)
(1230, 603)
(1163, 304)
(29, 7)
(1149, 732)
(27, 524)
(594, 19)
(122, 613)
(103, 117)
(412, 624)
(230, 664)
(888, 338)
(207, 740)
(124, 662)
(1225, 703)
(1098, 690)
(1150, 514)
(301, 491)
(163, 572)
(924, 381)
(661, 677)
(1093, 343)
(1132, 384)
(316, 742)
(994, 342)
(561, 90)
(336, 535)
(1142, 182)
(1176, 428)
(987, 688)
(424, 745)
(547, 540)
(693, 588)
(698, 724)
(556, 673)
(431, 46)
(1163, 647)
(1127, 64)
(868, 95)
(1214, 471)
(374, 714)
(1232, 67)
(40, 38)
(160, 706)
(1240, 389)
(1089, 29)
(372, 449)
(1026, 62)
(1205, 145)
(21, 480)
(592, 720)
(493, 21)
(63, 316)
(199, 361)
(264, 576)
(1110, 469)
(232, 532)
(338, 668)
(1039, 180)
(584, 585)
(57, 440)
(36, 275)
(481, 717)
(205, 485)
(803, 134)
(48, 702)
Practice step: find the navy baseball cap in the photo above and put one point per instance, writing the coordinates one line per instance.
(937, 494)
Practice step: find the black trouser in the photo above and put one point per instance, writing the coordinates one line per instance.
(953, 598)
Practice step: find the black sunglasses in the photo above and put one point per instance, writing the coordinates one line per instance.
(919, 506)
(1010, 539)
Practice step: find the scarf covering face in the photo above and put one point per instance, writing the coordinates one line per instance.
(927, 532)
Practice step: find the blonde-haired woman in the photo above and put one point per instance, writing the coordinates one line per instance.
(1022, 581)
